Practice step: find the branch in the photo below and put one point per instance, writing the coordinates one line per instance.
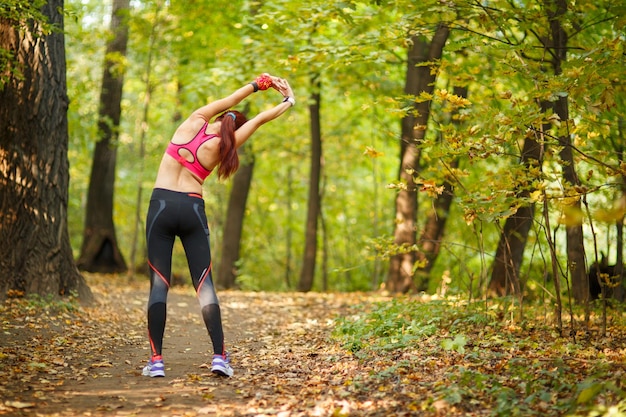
(580, 152)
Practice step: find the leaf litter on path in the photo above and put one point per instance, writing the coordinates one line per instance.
(87, 361)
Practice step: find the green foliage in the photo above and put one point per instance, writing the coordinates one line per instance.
(51, 304)
(21, 10)
(401, 323)
(457, 344)
(601, 410)
(19, 14)
(359, 51)
(469, 357)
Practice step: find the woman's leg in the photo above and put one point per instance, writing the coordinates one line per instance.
(195, 240)
(160, 241)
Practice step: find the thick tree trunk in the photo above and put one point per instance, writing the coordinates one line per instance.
(227, 272)
(100, 251)
(35, 252)
(419, 78)
(435, 226)
(307, 272)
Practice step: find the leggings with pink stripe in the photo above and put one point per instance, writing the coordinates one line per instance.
(172, 214)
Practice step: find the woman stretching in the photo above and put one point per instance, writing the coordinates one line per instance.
(199, 145)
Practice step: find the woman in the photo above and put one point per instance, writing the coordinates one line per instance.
(198, 146)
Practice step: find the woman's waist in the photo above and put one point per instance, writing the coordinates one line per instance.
(167, 194)
(173, 176)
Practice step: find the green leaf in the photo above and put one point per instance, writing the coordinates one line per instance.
(589, 393)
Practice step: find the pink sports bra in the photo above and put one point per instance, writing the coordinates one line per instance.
(192, 146)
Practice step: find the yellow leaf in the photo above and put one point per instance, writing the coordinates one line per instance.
(536, 196)
(571, 216)
(104, 364)
(19, 404)
(610, 215)
(372, 153)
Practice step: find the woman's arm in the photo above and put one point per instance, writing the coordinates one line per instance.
(262, 82)
(214, 108)
(244, 132)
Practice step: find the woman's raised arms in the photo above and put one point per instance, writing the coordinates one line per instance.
(244, 132)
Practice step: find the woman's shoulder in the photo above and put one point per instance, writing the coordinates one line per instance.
(188, 129)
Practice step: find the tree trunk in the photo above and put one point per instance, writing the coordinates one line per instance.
(226, 276)
(149, 83)
(35, 252)
(100, 251)
(419, 78)
(620, 291)
(434, 228)
(289, 220)
(325, 247)
(555, 10)
(505, 274)
(227, 272)
(307, 272)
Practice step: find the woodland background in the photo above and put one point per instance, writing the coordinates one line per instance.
(352, 57)
(479, 146)
(460, 149)
(476, 145)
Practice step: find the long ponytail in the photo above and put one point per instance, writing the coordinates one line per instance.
(229, 159)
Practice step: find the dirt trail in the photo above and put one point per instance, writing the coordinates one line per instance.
(60, 361)
(280, 349)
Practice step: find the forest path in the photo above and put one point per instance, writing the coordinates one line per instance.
(281, 350)
(58, 360)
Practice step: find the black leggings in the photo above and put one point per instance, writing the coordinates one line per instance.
(172, 214)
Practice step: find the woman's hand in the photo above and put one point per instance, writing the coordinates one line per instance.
(282, 86)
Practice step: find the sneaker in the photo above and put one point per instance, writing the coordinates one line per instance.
(155, 367)
(221, 365)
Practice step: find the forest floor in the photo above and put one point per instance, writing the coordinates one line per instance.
(64, 360)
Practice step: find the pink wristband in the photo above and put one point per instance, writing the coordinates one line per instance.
(264, 82)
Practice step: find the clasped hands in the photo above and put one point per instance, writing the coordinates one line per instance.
(265, 81)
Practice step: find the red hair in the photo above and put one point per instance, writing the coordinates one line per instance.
(229, 159)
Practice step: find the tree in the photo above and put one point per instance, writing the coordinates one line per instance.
(237, 200)
(100, 251)
(556, 46)
(420, 79)
(233, 228)
(619, 144)
(35, 252)
(155, 25)
(314, 201)
(505, 274)
(432, 234)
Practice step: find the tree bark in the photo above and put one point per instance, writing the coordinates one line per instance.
(100, 251)
(307, 272)
(419, 78)
(434, 228)
(35, 252)
(555, 10)
(505, 274)
(233, 229)
(149, 83)
(226, 276)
